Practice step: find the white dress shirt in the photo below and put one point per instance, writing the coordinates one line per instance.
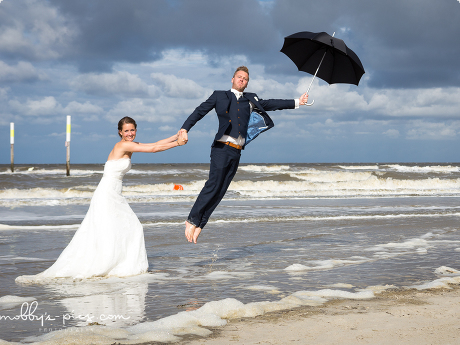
(240, 140)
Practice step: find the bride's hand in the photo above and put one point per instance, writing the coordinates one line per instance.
(182, 137)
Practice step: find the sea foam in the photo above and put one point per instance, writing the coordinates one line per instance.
(9, 301)
(212, 314)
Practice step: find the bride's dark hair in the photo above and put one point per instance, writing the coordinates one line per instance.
(124, 120)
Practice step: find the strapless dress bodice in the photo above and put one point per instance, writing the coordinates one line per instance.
(117, 168)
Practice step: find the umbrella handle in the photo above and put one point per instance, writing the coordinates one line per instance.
(311, 83)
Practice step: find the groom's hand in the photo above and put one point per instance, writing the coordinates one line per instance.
(303, 99)
(183, 134)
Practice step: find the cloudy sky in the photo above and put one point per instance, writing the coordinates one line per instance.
(156, 60)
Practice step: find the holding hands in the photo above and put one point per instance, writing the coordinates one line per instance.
(182, 137)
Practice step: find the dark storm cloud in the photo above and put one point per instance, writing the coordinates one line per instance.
(138, 31)
(402, 43)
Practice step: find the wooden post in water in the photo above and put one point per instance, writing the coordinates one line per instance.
(67, 144)
(12, 145)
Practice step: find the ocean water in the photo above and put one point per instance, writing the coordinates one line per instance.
(285, 235)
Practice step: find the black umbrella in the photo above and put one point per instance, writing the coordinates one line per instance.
(325, 56)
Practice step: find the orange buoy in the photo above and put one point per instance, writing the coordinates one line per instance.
(178, 187)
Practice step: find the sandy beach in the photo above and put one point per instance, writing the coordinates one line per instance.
(393, 317)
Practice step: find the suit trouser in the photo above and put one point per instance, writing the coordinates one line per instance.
(224, 164)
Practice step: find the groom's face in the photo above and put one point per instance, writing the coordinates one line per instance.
(240, 81)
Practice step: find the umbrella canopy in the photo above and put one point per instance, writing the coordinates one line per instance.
(325, 56)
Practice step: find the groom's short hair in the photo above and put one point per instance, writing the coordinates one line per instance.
(241, 68)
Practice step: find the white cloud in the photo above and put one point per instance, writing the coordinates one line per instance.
(4, 93)
(433, 131)
(137, 108)
(23, 71)
(336, 98)
(36, 30)
(118, 83)
(82, 108)
(173, 58)
(415, 102)
(178, 87)
(12, 40)
(44, 107)
(49, 107)
(392, 133)
(269, 88)
(341, 98)
(54, 134)
(330, 123)
(166, 128)
(267, 5)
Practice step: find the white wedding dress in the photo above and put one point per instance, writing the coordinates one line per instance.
(109, 241)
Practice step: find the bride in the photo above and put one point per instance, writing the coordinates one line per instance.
(110, 240)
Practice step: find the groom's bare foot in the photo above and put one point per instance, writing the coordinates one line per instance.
(190, 231)
(196, 234)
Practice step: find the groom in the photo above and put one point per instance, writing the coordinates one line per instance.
(242, 117)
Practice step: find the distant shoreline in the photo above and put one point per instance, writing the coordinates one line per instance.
(7, 165)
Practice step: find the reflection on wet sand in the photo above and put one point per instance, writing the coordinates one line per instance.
(113, 302)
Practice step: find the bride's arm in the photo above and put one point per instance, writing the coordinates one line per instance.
(161, 145)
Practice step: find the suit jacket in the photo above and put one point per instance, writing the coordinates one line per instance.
(220, 101)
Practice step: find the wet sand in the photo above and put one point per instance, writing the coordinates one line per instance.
(393, 317)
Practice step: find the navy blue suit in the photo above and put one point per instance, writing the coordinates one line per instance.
(234, 120)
